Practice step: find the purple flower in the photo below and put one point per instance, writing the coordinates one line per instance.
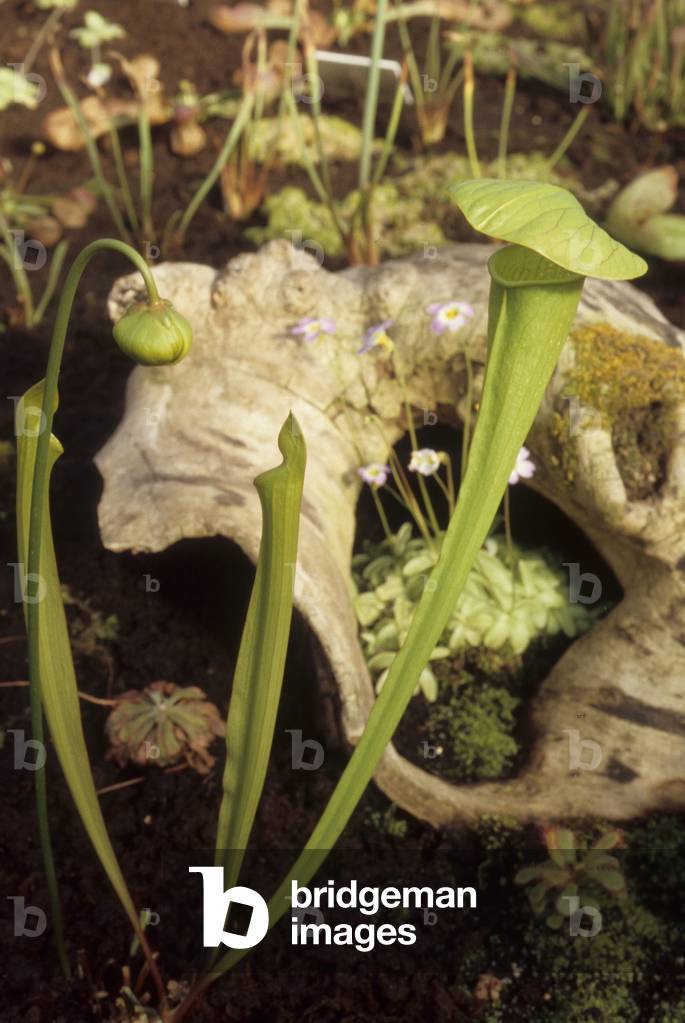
(375, 473)
(449, 316)
(311, 328)
(376, 337)
(524, 468)
(425, 461)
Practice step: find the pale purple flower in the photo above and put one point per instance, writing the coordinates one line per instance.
(375, 473)
(312, 327)
(424, 461)
(449, 316)
(376, 337)
(524, 468)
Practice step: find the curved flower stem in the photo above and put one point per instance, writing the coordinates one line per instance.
(382, 516)
(428, 504)
(507, 530)
(33, 607)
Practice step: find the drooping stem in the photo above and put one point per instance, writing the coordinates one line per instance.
(38, 505)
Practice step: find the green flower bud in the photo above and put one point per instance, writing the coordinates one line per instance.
(153, 334)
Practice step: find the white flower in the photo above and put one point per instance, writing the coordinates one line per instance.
(375, 473)
(98, 75)
(524, 468)
(425, 461)
(449, 316)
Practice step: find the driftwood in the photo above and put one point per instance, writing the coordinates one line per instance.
(609, 721)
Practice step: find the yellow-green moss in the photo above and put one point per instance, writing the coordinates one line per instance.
(634, 383)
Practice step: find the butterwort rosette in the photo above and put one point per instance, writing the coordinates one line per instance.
(153, 333)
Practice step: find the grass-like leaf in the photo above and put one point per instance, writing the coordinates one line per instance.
(261, 660)
(56, 676)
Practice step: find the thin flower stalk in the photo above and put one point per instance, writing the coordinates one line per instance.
(578, 122)
(505, 122)
(466, 435)
(90, 144)
(469, 87)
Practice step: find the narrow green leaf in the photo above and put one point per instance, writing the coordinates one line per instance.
(57, 678)
(550, 221)
(263, 647)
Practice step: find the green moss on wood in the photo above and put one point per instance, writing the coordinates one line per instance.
(634, 383)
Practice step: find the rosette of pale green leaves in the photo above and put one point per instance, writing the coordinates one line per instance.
(498, 608)
(572, 875)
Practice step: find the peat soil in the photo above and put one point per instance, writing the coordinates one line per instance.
(187, 628)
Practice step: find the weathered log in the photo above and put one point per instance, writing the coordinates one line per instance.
(194, 436)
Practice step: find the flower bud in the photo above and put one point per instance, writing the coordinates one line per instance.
(153, 334)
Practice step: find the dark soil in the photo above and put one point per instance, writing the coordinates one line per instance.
(187, 631)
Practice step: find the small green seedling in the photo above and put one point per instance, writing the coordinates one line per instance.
(572, 873)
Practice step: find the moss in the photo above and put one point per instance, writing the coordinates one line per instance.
(388, 822)
(669, 1013)
(655, 858)
(555, 21)
(476, 725)
(273, 137)
(634, 383)
(401, 223)
(602, 978)
(291, 214)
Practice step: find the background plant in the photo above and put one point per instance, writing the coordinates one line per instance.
(642, 50)
(498, 607)
(572, 873)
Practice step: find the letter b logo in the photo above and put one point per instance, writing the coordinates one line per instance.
(216, 905)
